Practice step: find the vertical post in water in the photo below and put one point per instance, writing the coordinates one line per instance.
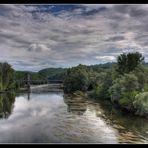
(28, 82)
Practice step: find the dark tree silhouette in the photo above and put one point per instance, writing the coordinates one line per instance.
(128, 62)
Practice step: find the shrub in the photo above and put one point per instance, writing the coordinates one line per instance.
(141, 104)
(0, 86)
(102, 85)
(127, 100)
(146, 87)
(124, 90)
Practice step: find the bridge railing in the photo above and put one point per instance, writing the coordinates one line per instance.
(40, 81)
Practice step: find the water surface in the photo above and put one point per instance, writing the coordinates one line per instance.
(52, 117)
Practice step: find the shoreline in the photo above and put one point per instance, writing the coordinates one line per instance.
(115, 105)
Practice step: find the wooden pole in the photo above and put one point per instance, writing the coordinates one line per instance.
(28, 82)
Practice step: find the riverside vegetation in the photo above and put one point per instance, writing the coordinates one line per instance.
(124, 83)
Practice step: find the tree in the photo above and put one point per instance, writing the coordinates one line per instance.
(124, 90)
(141, 73)
(102, 85)
(141, 104)
(76, 78)
(128, 62)
(6, 76)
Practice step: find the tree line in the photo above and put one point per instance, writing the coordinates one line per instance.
(125, 83)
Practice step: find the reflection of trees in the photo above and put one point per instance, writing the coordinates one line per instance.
(75, 104)
(6, 104)
(131, 129)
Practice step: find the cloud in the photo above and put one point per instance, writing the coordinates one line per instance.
(115, 38)
(106, 58)
(38, 48)
(43, 36)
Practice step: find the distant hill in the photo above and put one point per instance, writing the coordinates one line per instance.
(52, 73)
(44, 74)
(58, 73)
(101, 66)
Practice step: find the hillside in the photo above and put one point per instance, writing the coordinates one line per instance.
(58, 73)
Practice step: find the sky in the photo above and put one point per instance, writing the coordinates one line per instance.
(34, 37)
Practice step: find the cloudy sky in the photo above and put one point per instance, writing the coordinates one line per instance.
(33, 37)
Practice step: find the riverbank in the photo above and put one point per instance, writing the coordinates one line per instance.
(87, 95)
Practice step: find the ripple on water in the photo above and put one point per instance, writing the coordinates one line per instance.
(48, 117)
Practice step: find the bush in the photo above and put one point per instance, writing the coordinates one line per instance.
(0, 86)
(97, 92)
(127, 100)
(124, 90)
(146, 87)
(141, 104)
(102, 85)
(141, 73)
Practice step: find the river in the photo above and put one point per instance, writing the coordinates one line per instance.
(52, 117)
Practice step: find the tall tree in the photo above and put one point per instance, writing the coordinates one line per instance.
(128, 62)
(6, 76)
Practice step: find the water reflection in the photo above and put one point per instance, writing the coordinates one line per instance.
(6, 104)
(89, 127)
(28, 94)
(131, 129)
(53, 118)
(75, 104)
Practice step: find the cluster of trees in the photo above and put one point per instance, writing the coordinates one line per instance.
(7, 80)
(123, 83)
(76, 78)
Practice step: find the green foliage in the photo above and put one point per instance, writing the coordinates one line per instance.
(127, 100)
(49, 73)
(124, 89)
(97, 92)
(102, 85)
(120, 81)
(141, 73)
(76, 78)
(101, 67)
(52, 73)
(6, 77)
(141, 104)
(1, 86)
(128, 62)
(145, 87)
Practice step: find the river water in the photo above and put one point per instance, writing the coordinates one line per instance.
(52, 117)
